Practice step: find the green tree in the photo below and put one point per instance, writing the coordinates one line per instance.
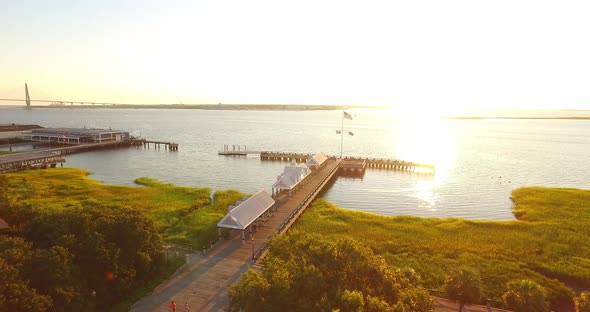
(463, 286)
(525, 296)
(352, 301)
(110, 250)
(583, 302)
(15, 292)
(54, 273)
(305, 272)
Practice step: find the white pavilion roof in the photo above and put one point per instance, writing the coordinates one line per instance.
(291, 176)
(317, 159)
(247, 211)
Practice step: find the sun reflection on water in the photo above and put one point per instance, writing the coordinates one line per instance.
(423, 137)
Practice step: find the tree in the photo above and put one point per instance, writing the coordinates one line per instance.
(463, 286)
(525, 296)
(305, 272)
(15, 292)
(583, 302)
(352, 301)
(104, 250)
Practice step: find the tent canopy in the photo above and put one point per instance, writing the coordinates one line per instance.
(317, 159)
(245, 213)
(291, 176)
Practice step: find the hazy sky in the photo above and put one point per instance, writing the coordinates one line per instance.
(430, 54)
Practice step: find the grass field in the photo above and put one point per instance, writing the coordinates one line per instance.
(548, 243)
(181, 214)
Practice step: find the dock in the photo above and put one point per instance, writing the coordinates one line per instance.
(25, 161)
(358, 164)
(50, 156)
(236, 150)
(171, 146)
(204, 282)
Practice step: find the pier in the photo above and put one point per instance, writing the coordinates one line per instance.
(204, 282)
(34, 160)
(348, 164)
(236, 150)
(49, 157)
(171, 146)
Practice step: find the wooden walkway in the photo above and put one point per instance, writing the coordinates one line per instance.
(204, 283)
(349, 163)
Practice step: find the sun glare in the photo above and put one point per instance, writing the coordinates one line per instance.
(423, 137)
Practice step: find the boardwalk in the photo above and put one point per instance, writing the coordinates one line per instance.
(204, 283)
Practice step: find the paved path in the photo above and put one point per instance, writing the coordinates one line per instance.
(204, 283)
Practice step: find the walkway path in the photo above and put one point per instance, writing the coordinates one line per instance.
(204, 283)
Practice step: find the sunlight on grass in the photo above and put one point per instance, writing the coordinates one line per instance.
(548, 243)
(181, 214)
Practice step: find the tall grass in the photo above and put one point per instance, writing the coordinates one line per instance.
(548, 243)
(182, 214)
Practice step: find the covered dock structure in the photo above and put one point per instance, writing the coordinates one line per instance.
(35, 160)
(247, 213)
(76, 136)
(316, 161)
(291, 179)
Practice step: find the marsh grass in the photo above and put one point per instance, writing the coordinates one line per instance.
(183, 215)
(548, 243)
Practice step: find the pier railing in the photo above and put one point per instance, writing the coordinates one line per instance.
(294, 215)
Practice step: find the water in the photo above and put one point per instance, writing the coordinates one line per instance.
(478, 162)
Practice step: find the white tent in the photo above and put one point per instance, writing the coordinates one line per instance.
(316, 160)
(245, 212)
(290, 177)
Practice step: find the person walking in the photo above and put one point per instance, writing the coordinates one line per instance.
(173, 306)
(186, 308)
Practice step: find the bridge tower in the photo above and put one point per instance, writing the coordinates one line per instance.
(27, 97)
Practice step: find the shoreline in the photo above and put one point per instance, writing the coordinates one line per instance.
(287, 108)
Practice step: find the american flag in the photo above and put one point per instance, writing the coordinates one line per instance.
(347, 116)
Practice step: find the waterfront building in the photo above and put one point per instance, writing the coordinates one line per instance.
(76, 136)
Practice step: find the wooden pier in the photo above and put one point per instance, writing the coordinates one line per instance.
(34, 160)
(348, 163)
(72, 149)
(171, 146)
(204, 283)
(236, 150)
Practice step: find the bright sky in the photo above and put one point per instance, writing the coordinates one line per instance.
(431, 53)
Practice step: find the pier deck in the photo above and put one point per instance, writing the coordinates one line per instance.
(33, 160)
(205, 282)
(349, 163)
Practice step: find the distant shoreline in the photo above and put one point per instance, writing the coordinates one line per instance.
(285, 107)
(505, 117)
(260, 107)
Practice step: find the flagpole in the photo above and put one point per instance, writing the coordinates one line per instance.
(341, 134)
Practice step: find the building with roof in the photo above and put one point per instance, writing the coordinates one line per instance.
(316, 161)
(248, 212)
(76, 135)
(291, 178)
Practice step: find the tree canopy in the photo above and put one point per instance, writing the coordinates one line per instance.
(88, 256)
(464, 286)
(525, 296)
(305, 272)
